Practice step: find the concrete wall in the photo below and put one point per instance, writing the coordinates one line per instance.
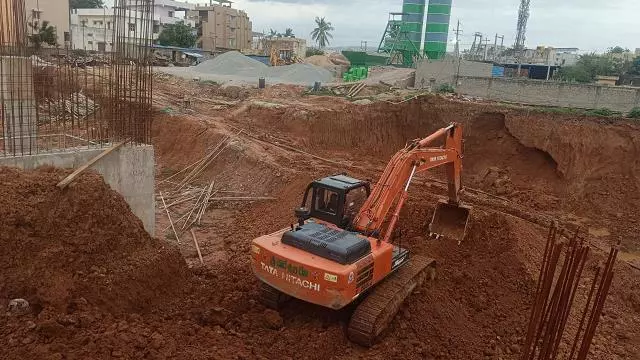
(546, 93)
(129, 170)
(444, 71)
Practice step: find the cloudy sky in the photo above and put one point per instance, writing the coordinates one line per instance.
(591, 25)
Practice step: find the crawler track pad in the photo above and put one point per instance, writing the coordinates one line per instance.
(377, 310)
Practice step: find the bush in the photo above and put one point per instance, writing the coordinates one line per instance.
(314, 51)
(603, 112)
(446, 89)
(635, 113)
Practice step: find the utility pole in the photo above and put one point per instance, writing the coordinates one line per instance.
(458, 32)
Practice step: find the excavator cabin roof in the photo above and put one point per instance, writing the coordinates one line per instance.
(341, 182)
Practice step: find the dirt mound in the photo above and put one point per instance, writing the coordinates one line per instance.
(481, 293)
(79, 247)
(319, 60)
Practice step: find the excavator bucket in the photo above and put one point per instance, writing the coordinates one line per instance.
(450, 221)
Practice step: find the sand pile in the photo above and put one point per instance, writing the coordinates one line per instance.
(234, 67)
(232, 63)
(79, 247)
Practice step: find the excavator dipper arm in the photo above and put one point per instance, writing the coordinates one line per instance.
(392, 188)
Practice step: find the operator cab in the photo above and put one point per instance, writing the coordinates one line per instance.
(335, 199)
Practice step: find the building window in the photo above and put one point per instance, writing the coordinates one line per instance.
(67, 36)
(90, 34)
(98, 23)
(90, 42)
(132, 27)
(156, 28)
(109, 25)
(171, 14)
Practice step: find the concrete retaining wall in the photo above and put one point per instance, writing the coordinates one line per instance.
(436, 73)
(547, 93)
(129, 170)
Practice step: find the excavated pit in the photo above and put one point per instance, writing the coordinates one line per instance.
(477, 308)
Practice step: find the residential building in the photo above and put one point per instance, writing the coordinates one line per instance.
(285, 47)
(566, 56)
(170, 12)
(93, 29)
(546, 55)
(623, 56)
(222, 27)
(55, 12)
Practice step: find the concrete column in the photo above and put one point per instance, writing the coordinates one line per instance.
(18, 105)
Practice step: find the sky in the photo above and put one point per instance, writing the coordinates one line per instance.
(590, 25)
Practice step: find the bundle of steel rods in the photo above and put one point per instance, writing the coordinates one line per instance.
(558, 282)
(197, 198)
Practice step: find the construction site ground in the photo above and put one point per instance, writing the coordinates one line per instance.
(101, 288)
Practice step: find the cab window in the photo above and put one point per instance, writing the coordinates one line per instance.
(354, 201)
(326, 201)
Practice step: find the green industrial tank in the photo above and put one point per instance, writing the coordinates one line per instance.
(413, 15)
(437, 33)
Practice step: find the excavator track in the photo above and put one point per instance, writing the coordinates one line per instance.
(272, 298)
(378, 309)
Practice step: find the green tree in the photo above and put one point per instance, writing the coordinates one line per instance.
(86, 4)
(178, 34)
(311, 51)
(273, 34)
(634, 69)
(42, 34)
(289, 33)
(617, 50)
(589, 66)
(322, 33)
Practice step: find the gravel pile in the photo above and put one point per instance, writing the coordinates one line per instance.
(233, 67)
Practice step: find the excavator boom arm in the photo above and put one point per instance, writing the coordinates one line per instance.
(393, 184)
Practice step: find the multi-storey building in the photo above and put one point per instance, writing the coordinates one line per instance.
(220, 27)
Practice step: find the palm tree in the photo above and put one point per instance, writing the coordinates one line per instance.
(43, 33)
(272, 34)
(321, 33)
(289, 33)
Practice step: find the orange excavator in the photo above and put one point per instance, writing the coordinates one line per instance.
(341, 251)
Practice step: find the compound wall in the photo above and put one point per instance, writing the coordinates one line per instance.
(546, 93)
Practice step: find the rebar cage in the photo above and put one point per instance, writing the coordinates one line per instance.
(55, 97)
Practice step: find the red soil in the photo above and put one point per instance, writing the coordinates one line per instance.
(141, 302)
